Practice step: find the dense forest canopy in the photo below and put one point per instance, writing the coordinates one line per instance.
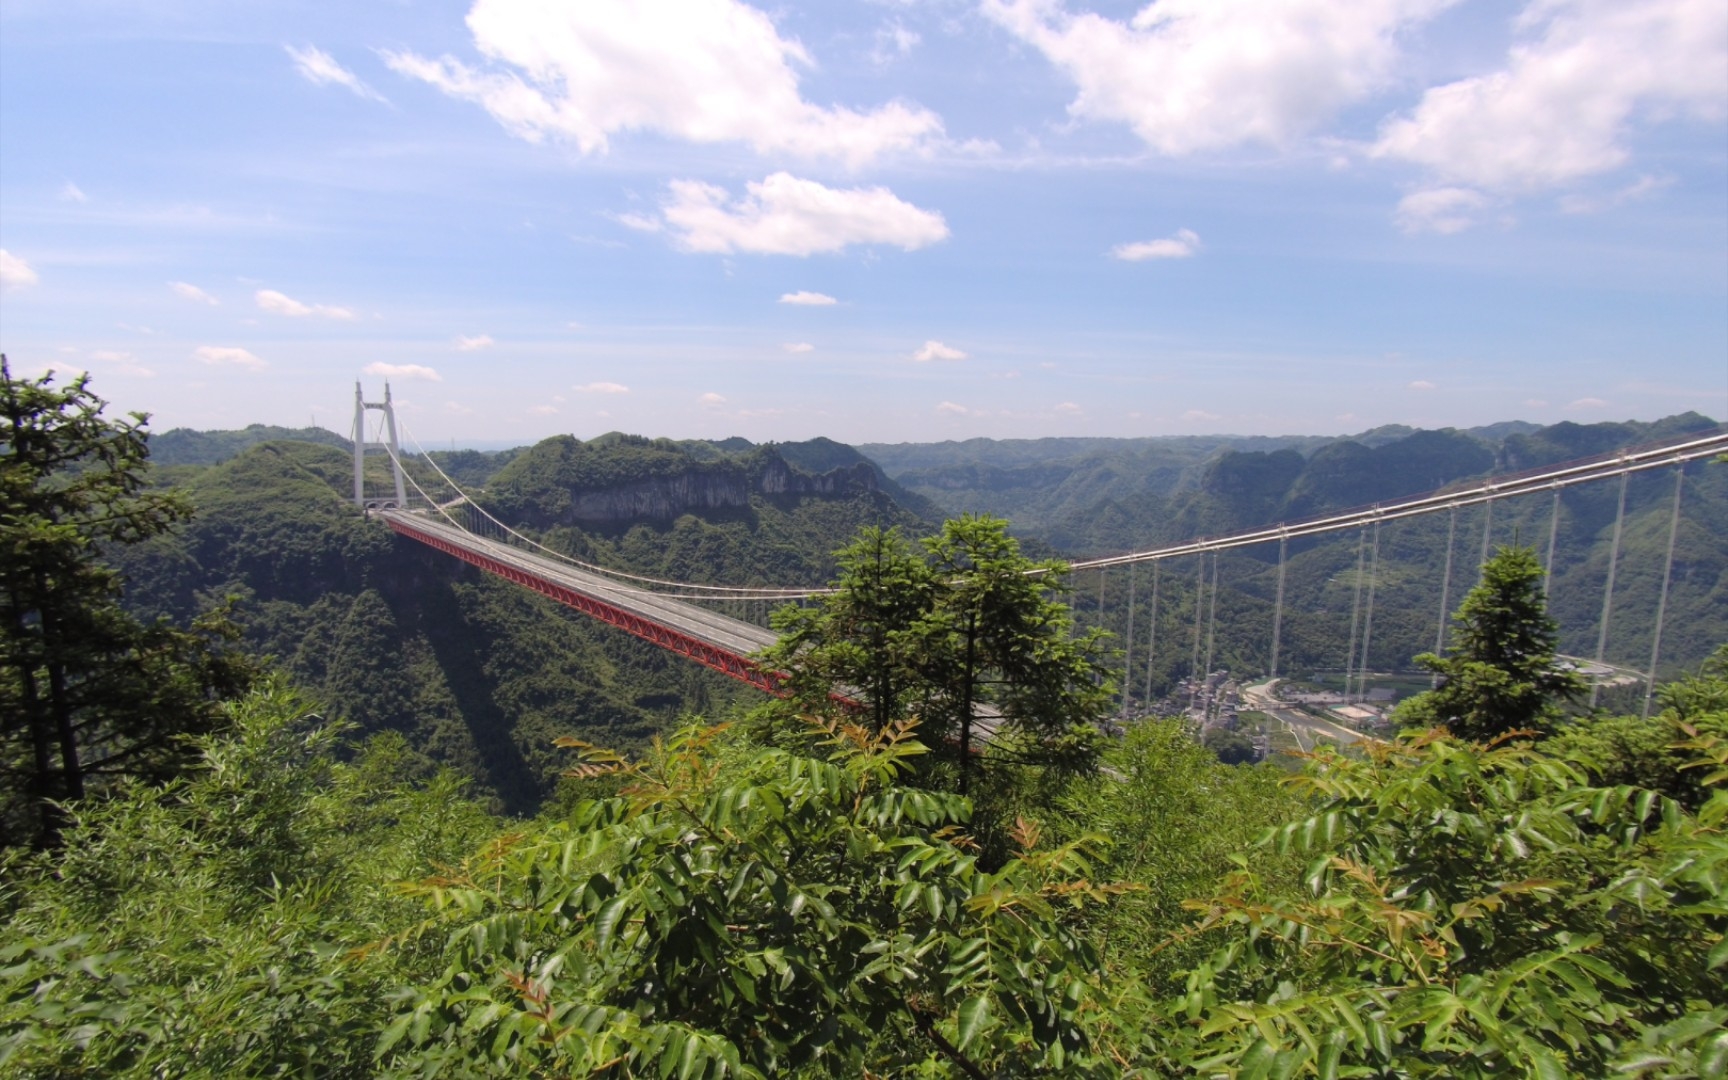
(457, 831)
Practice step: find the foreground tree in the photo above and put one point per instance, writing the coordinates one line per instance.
(968, 635)
(1500, 673)
(759, 915)
(87, 693)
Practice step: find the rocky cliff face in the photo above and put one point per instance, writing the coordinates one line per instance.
(698, 488)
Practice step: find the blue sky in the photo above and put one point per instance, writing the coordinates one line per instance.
(882, 221)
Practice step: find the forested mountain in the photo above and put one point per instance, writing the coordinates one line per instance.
(1211, 488)
(477, 673)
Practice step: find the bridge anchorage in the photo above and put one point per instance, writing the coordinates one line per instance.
(667, 613)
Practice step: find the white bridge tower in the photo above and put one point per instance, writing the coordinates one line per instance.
(361, 446)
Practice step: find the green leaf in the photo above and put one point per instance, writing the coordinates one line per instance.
(974, 1012)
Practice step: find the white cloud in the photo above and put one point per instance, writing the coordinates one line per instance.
(223, 354)
(15, 273)
(1561, 108)
(543, 410)
(280, 304)
(1185, 243)
(893, 41)
(935, 350)
(701, 70)
(602, 388)
(1200, 414)
(953, 409)
(123, 363)
(807, 299)
(456, 408)
(798, 347)
(1637, 189)
(1192, 75)
(1536, 403)
(783, 215)
(1442, 210)
(321, 69)
(473, 344)
(712, 400)
(1423, 384)
(1588, 403)
(70, 192)
(189, 291)
(404, 371)
(1069, 408)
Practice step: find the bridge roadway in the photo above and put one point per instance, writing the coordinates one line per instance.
(713, 640)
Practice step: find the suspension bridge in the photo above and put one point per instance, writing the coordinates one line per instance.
(669, 614)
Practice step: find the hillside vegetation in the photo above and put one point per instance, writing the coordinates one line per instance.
(1505, 888)
(1094, 497)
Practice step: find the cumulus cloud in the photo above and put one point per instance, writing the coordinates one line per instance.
(1562, 106)
(1441, 210)
(188, 291)
(15, 273)
(456, 408)
(712, 400)
(543, 410)
(1588, 403)
(1185, 243)
(404, 371)
(798, 347)
(70, 192)
(321, 69)
(935, 350)
(784, 215)
(226, 355)
(1200, 414)
(1193, 75)
(1069, 408)
(1423, 384)
(475, 343)
(807, 299)
(952, 409)
(706, 71)
(281, 304)
(602, 388)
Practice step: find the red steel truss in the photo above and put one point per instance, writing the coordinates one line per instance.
(705, 653)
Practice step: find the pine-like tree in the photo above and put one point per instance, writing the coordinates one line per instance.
(87, 692)
(965, 634)
(1499, 674)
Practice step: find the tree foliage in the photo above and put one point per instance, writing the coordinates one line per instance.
(967, 637)
(88, 694)
(1499, 674)
(757, 916)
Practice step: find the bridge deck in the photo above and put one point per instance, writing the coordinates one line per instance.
(722, 643)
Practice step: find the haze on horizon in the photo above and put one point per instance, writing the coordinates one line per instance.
(885, 222)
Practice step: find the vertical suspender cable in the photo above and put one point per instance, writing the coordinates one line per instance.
(1487, 528)
(1445, 589)
(1608, 589)
(1368, 620)
(1152, 632)
(1199, 617)
(1100, 598)
(1662, 602)
(1278, 606)
(1212, 619)
(1128, 644)
(1355, 612)
(1553, 535)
